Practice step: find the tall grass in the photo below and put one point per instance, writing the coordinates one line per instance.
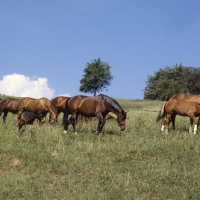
(139, 163)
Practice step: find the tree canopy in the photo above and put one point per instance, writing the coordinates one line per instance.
(172, 80)
(96, 78)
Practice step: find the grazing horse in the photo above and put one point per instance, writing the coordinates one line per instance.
(97, 106)
(177, 97)
(59, 104)
(8, 105)
(27, 117)
(180, 107)
(41, 105)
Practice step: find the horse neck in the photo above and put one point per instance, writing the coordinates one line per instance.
(52, 110)
(114, 107)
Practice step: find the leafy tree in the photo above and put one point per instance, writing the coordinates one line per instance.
(96, 78)
(169, 81)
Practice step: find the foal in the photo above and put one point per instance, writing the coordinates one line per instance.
(27, 117)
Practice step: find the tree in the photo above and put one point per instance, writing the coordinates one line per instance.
(169, 81)
(96, 78)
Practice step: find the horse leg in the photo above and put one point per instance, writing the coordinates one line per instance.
(57, 115)
(98, 127)
(4, 116)
(173, 121)
(191, 124)
(20, 126)
(192, 117)
(167, 120)
(100, 124)
(30, 130)
(163, 124)
(74, 119)
(66, 122)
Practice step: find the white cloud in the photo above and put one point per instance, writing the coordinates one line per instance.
(65, 95)
(21, 86)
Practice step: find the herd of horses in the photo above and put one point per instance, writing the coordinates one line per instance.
(29, 109)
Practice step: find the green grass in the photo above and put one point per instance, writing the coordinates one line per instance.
(139, 163)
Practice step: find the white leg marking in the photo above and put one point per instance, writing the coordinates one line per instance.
(195, 129)
(162, 128)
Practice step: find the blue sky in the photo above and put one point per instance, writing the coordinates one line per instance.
(52, 41)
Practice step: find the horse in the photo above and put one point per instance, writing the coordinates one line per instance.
(41, 105)
(8, 105)
(97, 106)
(59, 104)
(180, 107)
(186, 97)
(27, 117)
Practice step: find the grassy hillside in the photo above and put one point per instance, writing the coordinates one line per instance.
(139, 163)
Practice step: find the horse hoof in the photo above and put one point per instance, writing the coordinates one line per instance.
(75, 133)
(64, 131)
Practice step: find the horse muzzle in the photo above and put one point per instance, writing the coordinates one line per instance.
(122, 128)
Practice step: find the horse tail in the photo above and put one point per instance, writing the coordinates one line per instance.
(66, 112)
(162, 112)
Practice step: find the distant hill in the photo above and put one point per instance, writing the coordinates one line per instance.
(3, 96)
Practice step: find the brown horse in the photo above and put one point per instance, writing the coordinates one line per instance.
(27, 117)
(177, 97)
(41, 105)
(97, 106)
(59, 104)
(8, 105)
(180, 107)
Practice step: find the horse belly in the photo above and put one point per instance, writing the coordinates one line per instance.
(87, 108)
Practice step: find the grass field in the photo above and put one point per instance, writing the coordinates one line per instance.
(139, 163)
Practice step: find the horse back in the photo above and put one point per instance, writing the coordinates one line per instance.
(12, 105)
(34, 105)
(59, 102)
(186, 97)
(87, 106)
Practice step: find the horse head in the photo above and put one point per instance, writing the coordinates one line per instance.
(121, 119)
(52, 119)
(41, 117)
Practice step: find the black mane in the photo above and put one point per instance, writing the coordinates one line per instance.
(116, 103)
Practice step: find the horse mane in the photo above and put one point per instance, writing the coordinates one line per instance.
(114, 103)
